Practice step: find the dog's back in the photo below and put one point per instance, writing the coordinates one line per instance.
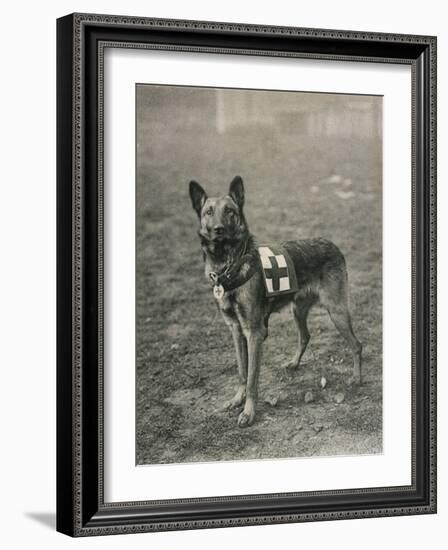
(318, 264)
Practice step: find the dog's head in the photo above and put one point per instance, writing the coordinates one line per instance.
(221, 218)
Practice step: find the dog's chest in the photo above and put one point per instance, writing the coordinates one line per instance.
(230, 307)
(225, 303)
(225, 300)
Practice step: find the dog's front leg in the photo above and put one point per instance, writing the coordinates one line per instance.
(254, 345)
(241, 359)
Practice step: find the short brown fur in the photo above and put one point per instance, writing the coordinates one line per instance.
(321, 276)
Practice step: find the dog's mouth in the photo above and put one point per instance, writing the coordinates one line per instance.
(215, 238)
(219, 238)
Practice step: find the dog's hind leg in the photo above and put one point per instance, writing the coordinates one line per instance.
(300, 310)
(341, 318)
(335, 299)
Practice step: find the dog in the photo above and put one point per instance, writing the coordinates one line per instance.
(232, 265)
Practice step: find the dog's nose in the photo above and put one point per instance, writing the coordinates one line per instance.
(218, 229)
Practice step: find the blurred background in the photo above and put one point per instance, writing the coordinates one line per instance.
(312, 166)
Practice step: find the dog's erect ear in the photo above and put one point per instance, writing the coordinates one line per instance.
(236, 191)
(198, 196)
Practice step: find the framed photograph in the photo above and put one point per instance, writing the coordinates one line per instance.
(246, 274)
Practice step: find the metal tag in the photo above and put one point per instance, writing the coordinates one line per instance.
(218, 291)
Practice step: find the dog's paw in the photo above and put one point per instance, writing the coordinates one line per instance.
(236, 401)
(354, 380)
(229, 406)
(232, 404)
(244, 420)
(292, 365)
(247, 417)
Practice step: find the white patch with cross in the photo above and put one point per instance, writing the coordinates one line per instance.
(275, 270)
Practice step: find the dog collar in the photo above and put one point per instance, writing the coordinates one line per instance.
(235, 276)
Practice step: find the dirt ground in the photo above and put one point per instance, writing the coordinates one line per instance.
(186, 366)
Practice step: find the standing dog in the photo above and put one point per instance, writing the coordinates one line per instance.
(233, 264)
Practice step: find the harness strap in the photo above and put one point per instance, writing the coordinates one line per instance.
(241, 272)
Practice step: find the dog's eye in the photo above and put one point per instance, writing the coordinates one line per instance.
(229, 211)
(209, 212)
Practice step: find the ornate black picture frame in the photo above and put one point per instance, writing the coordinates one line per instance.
(81, 509)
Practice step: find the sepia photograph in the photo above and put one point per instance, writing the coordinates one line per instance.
(258, 274)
